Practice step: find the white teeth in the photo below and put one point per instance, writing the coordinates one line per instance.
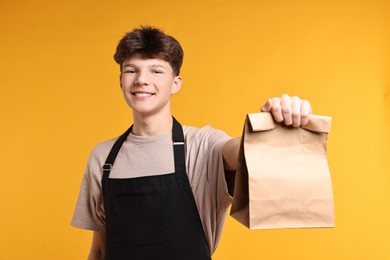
(142, 94)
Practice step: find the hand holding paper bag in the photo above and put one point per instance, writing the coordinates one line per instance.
(283, 179)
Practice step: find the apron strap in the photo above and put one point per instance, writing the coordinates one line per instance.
(178, 147)
(113, 153)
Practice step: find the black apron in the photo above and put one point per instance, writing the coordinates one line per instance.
(153, 217)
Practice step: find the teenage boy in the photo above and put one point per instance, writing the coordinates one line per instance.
(166, 195)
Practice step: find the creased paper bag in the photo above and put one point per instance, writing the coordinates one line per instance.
(283, 178)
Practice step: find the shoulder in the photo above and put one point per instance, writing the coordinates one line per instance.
(203, 132)
(99, 154)
(206, 134)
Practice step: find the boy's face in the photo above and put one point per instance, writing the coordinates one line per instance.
(147, 85)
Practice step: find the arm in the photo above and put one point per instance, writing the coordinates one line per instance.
(230, 154)
(290, 110)
(98, 246)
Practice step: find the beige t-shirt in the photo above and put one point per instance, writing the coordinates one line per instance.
(146, 156)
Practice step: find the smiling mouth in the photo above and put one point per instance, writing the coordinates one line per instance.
(142, 94)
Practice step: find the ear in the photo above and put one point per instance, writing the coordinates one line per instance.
(120, 80)
(176, 86)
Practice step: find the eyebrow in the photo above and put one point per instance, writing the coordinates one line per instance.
(153, 66)
(158, 66)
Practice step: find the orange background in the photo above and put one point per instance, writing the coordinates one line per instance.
(60, 96)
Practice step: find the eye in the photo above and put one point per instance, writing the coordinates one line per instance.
(158, 71)
(129, 71)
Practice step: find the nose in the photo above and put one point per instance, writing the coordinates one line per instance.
(142, 79)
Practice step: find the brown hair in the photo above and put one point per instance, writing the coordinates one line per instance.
(150, 42)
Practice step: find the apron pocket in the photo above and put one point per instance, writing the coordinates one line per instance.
(137, 220)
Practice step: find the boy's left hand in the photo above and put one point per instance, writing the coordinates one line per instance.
(290, 110)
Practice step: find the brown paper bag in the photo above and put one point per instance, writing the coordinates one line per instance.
(283, 179)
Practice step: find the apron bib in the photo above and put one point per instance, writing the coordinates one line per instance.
(153, 217)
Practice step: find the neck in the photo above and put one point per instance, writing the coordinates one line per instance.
(152, 125)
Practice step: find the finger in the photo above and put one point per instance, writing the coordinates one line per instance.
(286, 106)
(305, 112)
(296, 111)
(276, 110)
(267, 106)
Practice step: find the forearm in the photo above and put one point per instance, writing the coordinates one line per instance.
(230, 153)
(98, 246)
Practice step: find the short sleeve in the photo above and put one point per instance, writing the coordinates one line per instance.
(89, 212)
